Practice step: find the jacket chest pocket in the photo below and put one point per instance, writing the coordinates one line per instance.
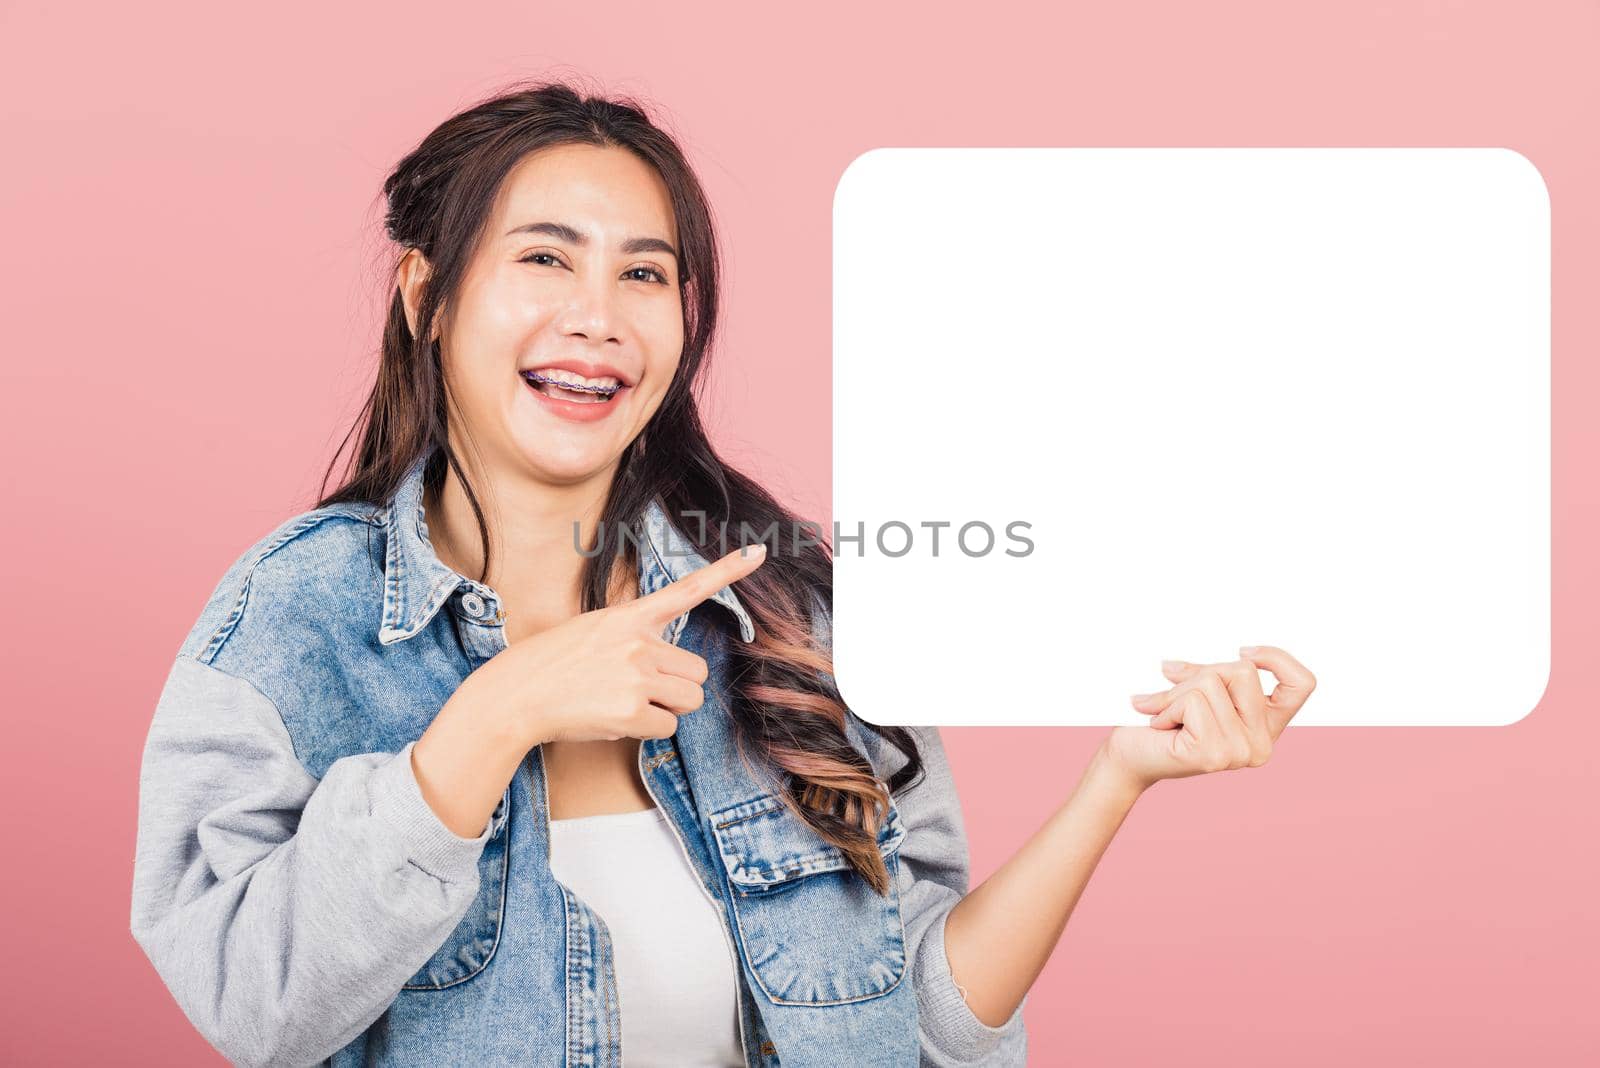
(811, 930)
(468, 947)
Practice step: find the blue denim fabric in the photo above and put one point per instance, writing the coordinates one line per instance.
(306, 906)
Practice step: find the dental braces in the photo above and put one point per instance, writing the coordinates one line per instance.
(536, 376)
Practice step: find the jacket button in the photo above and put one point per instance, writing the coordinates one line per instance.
(473, 605)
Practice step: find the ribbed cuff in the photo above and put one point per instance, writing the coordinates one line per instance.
(943, 1013)
(397, 798)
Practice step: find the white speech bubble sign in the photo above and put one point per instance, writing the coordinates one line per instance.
(1291, 397)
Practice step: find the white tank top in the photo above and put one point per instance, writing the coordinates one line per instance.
(675, 977)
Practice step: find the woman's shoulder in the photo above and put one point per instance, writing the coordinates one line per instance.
(314, 567)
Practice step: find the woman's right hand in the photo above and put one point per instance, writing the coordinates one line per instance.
(608, 674)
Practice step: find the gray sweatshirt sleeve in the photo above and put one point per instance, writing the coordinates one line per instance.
(933, 877)
(283, 912)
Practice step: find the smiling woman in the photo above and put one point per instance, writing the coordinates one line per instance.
(555, 299)
(492, 757)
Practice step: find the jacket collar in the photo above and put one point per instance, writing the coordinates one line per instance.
(417, 583)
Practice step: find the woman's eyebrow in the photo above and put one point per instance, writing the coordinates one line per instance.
(573, 235)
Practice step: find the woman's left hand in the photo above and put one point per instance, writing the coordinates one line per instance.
(1215, 719)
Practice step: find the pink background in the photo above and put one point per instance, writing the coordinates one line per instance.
(192, 268)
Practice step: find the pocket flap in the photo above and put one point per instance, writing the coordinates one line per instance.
(763, 843)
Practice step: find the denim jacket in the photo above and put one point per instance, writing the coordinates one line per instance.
(304, 904)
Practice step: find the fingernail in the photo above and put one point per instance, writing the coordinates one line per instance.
(1140, 696)
(1171, 665)
(1249, 650)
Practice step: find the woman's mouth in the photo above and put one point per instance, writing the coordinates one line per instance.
(567, 386)
(572, 397)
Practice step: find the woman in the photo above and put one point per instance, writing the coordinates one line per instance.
(481, 761)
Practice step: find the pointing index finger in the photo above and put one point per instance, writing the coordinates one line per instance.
(676, 598)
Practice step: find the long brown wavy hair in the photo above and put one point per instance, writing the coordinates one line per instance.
(785, 706)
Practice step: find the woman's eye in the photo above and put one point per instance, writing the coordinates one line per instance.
(541, 258)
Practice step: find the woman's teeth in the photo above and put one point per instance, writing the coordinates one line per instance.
(565, 385)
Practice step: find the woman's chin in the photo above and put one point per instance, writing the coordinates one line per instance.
(566, 466)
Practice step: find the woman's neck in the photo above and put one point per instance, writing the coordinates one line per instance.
(535, 566)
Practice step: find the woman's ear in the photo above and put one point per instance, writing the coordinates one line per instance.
(413, 273)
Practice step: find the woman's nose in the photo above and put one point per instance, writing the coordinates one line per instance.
(591, 311)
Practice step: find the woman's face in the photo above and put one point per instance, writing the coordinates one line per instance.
(576, 280)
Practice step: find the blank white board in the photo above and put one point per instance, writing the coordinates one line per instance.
(1294, 397)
